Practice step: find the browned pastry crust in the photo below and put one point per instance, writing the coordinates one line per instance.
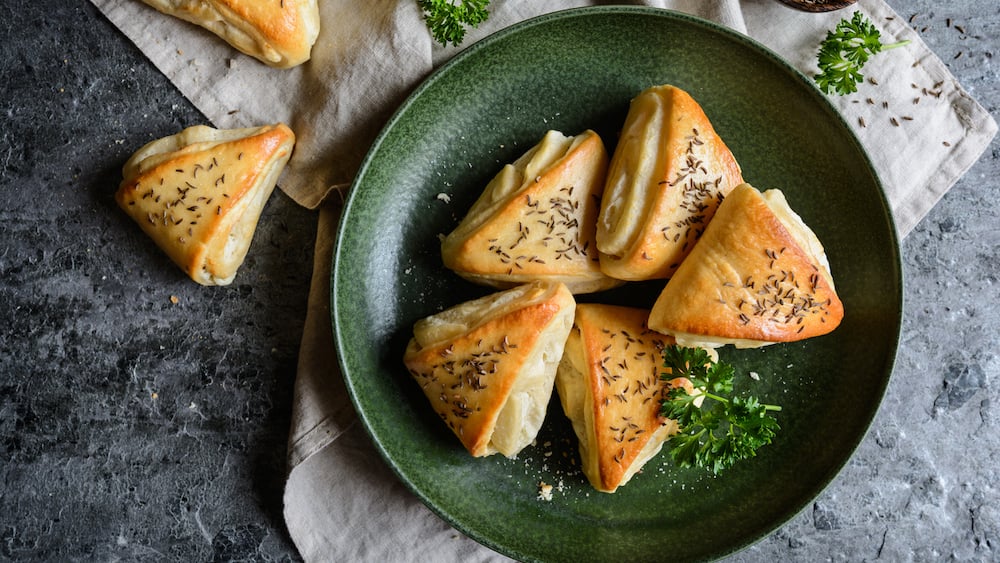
(536, 219)
(199, 194)
(667, 176)
(758, 276)
(279, 33)
(610, 388)
(488, 366)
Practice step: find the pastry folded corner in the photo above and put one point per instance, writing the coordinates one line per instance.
(198, 194)
(488, 366)
(667, 176)
(758, 276)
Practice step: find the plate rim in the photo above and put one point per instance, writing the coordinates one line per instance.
(892, 340)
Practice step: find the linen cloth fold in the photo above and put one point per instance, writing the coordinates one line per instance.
(342, 503)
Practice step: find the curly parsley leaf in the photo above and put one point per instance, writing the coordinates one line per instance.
(845, 51)
(715, 430)
(447, 20)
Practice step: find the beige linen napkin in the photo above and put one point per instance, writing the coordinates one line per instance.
(342, 503)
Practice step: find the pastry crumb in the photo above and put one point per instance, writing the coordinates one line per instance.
(544, 491)
(174, 299)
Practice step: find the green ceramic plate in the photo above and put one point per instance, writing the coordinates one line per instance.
(570, 71)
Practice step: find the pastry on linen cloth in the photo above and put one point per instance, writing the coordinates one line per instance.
(199, 194)
(279, 33)
(536, 219)
(668, 174)
(759, 275)
(610, 386)
(488, 366)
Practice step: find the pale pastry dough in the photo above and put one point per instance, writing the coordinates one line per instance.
(610, 387)
(488, 366)
(667, 176)
(758, 276)
(199, 194)
(280, 33)
(536, 219)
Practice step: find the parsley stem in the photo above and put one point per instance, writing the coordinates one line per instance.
(725, 400)
(713, 396)
(902, 43)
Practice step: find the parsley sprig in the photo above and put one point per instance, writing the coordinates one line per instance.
(716, 429)
(845, 51)
(447, 19)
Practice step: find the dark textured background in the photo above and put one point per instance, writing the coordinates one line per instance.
(133, 428)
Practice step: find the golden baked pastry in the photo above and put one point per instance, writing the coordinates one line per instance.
(667, 176)
(279, 33)
(610, 388)
(758, 276)
(199, 194)
(536, 219)
(488, 366)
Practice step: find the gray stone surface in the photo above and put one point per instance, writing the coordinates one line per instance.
(134, 428)
(131, 428)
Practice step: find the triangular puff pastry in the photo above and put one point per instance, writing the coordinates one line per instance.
(667, 176)
(488, 366)
(536, 219)
(758, 276)
(199, 194)
(279, 33)
(610, 388)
